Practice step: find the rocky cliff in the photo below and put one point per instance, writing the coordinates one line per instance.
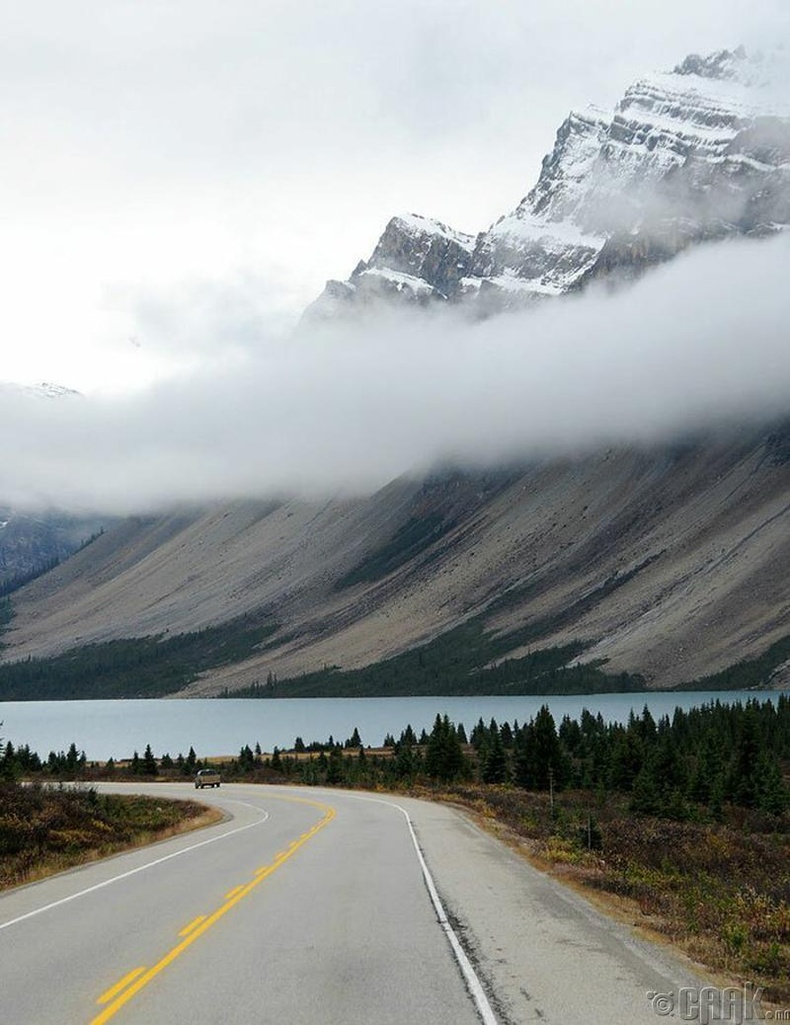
(695, 154)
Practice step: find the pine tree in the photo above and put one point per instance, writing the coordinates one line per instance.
(493, 767)
(334, 774)
(444, 759)
(772, 795)
(744, 780)
(405, 762)
(149, 767)
(538, 755)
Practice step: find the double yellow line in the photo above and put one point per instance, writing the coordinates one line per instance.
(123, 991)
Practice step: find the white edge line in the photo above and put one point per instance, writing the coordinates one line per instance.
(140, 868)
(470, 975)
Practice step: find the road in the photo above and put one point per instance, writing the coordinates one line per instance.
(316, 906)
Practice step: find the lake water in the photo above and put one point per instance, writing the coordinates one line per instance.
(115, 729)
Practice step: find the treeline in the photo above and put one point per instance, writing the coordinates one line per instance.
(686, 766)
(22, 763)
(465, 660)
(679, 767)
(751, 672)
(144, 667)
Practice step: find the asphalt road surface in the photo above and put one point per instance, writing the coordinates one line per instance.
(321, 907)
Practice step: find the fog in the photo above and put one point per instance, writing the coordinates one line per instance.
(696, 344)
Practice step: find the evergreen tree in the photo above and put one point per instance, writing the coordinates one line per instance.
(444, 759)
(405, 762)
(539, 761)
(772, 794)
(493, 768)
(8, 767)
(409, 736)
(149, 767)
(744, 785)
(626, 760)
(334, 773)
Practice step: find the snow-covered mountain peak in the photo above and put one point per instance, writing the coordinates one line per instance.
(696, 153)
(724, 64)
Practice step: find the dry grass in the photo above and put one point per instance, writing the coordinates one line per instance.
(46, 830)
(719, 892)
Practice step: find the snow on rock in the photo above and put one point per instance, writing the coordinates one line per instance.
(698, 153)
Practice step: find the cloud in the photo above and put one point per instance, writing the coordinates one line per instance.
(698, 343)
(149, 143)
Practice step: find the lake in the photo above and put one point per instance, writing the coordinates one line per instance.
(105, 729)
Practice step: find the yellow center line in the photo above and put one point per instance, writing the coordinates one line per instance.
(206, 924)
(233, 892)
(192, 925)
(113, 991)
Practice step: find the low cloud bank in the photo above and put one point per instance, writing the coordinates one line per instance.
(699, 343)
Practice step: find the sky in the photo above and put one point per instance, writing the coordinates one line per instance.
(180, 178)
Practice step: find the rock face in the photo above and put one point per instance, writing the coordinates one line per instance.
(696, 154)
(417, 260)
(31, 544)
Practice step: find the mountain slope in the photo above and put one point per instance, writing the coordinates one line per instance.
(699, 153)
(671, 563)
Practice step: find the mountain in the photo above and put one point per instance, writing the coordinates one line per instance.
(630, 566)
(669, 562)
(696, 154)
(32, 544)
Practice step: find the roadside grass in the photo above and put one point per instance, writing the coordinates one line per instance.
(44, 829)
(719, 891)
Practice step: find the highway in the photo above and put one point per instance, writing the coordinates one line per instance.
(325, 907)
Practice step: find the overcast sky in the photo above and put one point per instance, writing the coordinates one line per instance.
(179, 178)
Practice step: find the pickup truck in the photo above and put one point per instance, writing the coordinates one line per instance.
(207, 778)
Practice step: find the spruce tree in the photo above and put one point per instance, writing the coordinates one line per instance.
(149, 767)
(493, 768)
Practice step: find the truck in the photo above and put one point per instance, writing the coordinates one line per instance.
(206, 778)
